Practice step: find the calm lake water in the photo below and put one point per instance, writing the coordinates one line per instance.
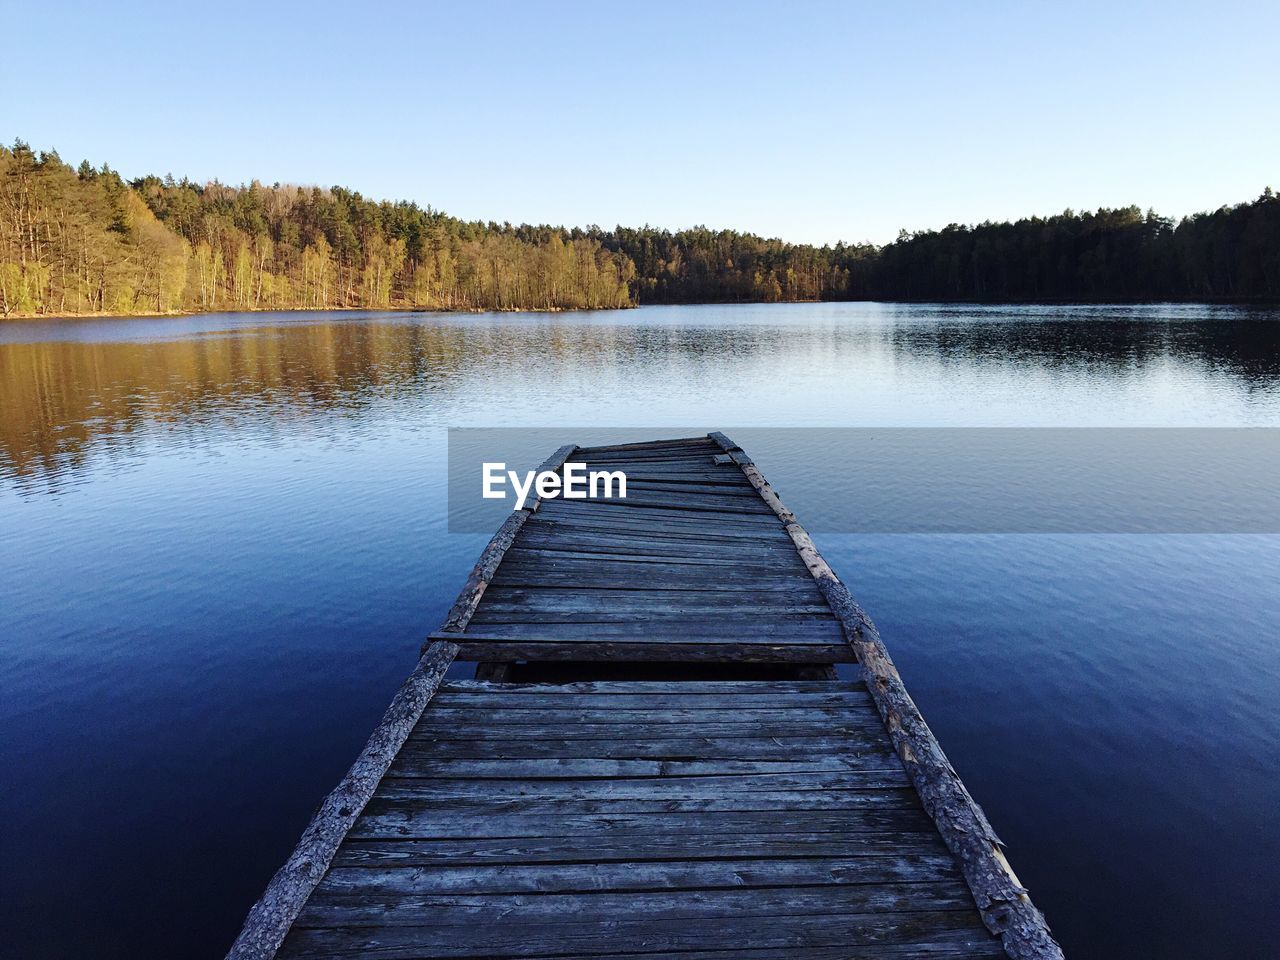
(223, 538)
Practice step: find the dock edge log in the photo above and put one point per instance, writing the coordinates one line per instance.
(1003, 902)
(469, 598)
(270, 919)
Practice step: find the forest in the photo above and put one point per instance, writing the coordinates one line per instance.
(82, 240)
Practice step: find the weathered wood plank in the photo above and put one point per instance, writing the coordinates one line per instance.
(399, 814)
(736, 540)
(684, 904)
(653, 936)
(694, 455)
(536, 739)
(466, 709)
(678, 443)
(415, 762)
(639, 788)
(674, 630)
(692, 491)
(679, 634)
(804, 597)
(622, 575)
(401, 820)
(777, 749)
(714, 649)
(689, 503)
(546, 695)
(655, 511)
(681, 688)
(635, 848)
(688, 533)
(699, 459)
(652, 621)
(760, 551)
(551, 553)
(717, 479)
(633, 571)
(642, 875)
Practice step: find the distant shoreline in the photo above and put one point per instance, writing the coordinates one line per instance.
(151, 314)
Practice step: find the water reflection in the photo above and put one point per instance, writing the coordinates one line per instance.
(69, 393)
(1244, 343)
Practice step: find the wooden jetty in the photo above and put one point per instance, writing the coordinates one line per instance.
(781, 814)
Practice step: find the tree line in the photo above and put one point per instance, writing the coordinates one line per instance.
(83, 240)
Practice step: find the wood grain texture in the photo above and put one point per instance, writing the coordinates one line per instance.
(500, 832)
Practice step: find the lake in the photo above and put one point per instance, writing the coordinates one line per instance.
(223, 538)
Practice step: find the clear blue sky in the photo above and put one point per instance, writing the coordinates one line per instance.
(815, 122)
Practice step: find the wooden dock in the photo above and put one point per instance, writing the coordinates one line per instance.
(788, 815)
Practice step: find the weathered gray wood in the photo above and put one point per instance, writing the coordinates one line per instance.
(676, 631)
(624, 575)
(634, 571)
(631, 847)
(469, 598)
(655, 936)
(693, 491)
(682, 688)
(400, 820)
(674, 616)
(662, 477)
(654, 546)
(551, 554)
(683, 904)
(703, 457)
(455, 710)
(805, 597)
(698, 504)
(700, 533)
(711, 649)
(1002, 900)
(830, 784)
(419, 762)
(691, 459)
(523, 751)
(270, 918)
(397, 814)
(854, 697)
(534, 737)
(640, 446)
(653, 512)
(642, 875)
